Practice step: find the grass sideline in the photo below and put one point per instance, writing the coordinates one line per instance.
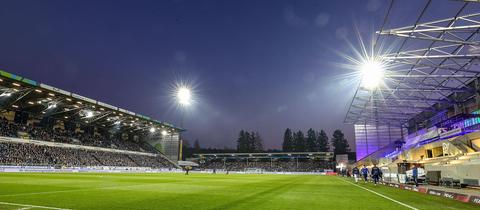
(203, 191)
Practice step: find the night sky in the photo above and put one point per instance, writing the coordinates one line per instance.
(261, 65)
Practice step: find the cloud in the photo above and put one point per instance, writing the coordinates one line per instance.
(180, 56)
(341, 33)
(322, 19)
(373, 5)
(281, 108)
(311, 96)
(308, 77)
(293, 19)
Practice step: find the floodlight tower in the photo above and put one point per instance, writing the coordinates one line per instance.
(373, 75)
(184, 98)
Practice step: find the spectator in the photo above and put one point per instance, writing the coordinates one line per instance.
(15, 153)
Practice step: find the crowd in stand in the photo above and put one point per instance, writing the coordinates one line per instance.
(11, 129)
(289, 165)
(14, 153)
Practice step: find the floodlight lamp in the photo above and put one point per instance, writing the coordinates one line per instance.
(152, 130)
(372, 74)
(164, 133)
(52, 106)
(184, 96)
(89, 114)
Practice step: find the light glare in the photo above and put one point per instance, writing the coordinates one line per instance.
(184, 96)
(89, 114)
(6, 94)
(52, 106)
(372, 74)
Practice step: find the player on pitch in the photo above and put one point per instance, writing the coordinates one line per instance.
(356, 173)
(365, 173)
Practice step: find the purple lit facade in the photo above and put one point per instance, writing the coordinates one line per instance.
(370, 138)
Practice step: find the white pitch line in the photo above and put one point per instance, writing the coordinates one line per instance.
(383, 196)
(31, 206)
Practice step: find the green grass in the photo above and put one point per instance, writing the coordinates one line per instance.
(204, 191)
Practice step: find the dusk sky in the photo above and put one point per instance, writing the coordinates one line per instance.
(260, 65)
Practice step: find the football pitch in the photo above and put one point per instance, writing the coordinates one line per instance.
(204, 191)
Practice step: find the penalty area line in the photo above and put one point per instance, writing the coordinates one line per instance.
(381, 195)
(31, 206)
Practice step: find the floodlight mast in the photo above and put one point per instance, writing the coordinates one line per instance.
(184, 98)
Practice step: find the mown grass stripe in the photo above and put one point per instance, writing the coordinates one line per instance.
(381, 195)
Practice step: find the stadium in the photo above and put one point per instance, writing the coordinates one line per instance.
(415, 115)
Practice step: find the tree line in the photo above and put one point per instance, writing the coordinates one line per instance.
(188, 150)
(314, 141)
(248, 142)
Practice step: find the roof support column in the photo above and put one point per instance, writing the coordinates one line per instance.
(477, 94)
(456, 107)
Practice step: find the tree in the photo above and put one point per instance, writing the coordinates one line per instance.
(299, 142)
(287, 144)
(310, 144)
(339, 143)
(242, 141)
(322, 142)
(250, 141)
(187, 151)
(258, 142)
(196, 146)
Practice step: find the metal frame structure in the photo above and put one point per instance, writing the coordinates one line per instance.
(444, 64)
(434, 67)
(19, 94)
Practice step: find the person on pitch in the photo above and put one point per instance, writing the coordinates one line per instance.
(364, 172)
(376, 173)
(356, 173)
(415, 174)
(187, 169)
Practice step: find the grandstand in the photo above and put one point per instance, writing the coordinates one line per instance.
(425, 112)
(41, 125)
(267, 162)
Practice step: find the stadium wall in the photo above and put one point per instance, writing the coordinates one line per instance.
(98, 169)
